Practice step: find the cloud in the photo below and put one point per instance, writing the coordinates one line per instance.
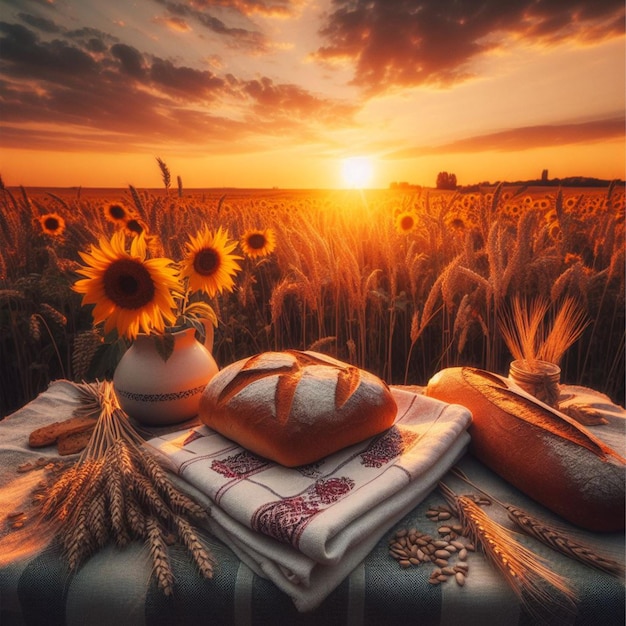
(285, 105)
(273, 8)
(177, 24)
(131, 60)
(433, 42)
(41, 23)
(106, 96)
(23, 54)
(203, 13)
(525, 138)
(185, 80)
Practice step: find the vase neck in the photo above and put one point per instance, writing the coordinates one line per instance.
(181, 337)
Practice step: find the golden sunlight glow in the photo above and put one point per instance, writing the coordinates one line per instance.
(357, 172)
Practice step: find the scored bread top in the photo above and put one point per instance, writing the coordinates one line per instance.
(295, 407)
(303, 370)
(530, 410)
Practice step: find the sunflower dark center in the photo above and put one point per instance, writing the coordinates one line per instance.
(256, 241)
(128, 284)
(206, 261)
(407, 222)
(117, 212)
(134, 226)
(52, 223)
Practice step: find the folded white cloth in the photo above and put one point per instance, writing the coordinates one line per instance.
(306, 528)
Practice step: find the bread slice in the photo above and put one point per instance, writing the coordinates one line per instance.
(72, 443)
(47, 435)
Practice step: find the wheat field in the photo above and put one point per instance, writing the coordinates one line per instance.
(399, 282)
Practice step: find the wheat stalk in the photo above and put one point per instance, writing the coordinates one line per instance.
(558, 539)
(165, 173)
(524, 331)
(98, 519)
(569, 324)
(86, 344)
(521, 325)
(160, 560)
(202, 558)
(117, 491)
(76, 540)
(553, 536)
(542, 592)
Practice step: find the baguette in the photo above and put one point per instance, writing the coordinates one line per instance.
(296, 407)
(47, 435)
(544, 453)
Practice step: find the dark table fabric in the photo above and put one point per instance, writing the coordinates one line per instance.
(115, 586)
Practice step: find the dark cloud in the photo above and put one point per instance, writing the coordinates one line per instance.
(202, 13)
(285, 105)
(40, 23)
(184, 79)
(282, 8)
(86, 33)
(131, 60)
(95, 45)
(104, 95)
(526, 138)
(22, 54)
(412, 42)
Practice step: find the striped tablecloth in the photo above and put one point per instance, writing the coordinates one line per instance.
(115, 587)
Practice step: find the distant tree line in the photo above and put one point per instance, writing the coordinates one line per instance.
(447, 180)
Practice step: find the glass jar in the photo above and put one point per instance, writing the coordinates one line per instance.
(538, 378)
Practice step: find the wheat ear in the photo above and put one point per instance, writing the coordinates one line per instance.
(559, 540)
(160, 560)
(117, 490)
(553, 536)
(544, 594)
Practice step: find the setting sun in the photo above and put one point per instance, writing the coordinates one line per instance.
(356, 172)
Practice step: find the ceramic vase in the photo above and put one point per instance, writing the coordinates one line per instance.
(159, 391)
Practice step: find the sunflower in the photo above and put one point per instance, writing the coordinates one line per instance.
(258, 243)
(135, 227)
(209, 263)
(406, 222)
(455, 222)
(117, 213)
(52, 224)
(130, 293)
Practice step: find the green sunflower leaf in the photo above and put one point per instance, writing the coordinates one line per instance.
(164, 345)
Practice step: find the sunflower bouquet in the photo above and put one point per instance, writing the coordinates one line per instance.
(133, 293)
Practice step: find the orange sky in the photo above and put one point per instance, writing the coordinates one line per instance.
(263, 93)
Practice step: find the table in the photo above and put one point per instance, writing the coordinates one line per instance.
(115, 587)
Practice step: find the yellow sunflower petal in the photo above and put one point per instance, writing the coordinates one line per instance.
(209, 264)
(129, 293)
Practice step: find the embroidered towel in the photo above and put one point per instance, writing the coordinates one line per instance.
(306, 528)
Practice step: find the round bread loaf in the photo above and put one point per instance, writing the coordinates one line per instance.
(539, 450)
(296, 407)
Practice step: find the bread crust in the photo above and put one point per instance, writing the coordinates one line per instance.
(539, 450)
(296, 407)
(72, 443)
(47, 435)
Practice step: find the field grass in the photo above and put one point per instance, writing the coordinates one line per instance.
(402, 283)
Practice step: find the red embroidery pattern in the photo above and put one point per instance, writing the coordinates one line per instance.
(239, 465)
(388, 447)
(312, 470)
(286, 519)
